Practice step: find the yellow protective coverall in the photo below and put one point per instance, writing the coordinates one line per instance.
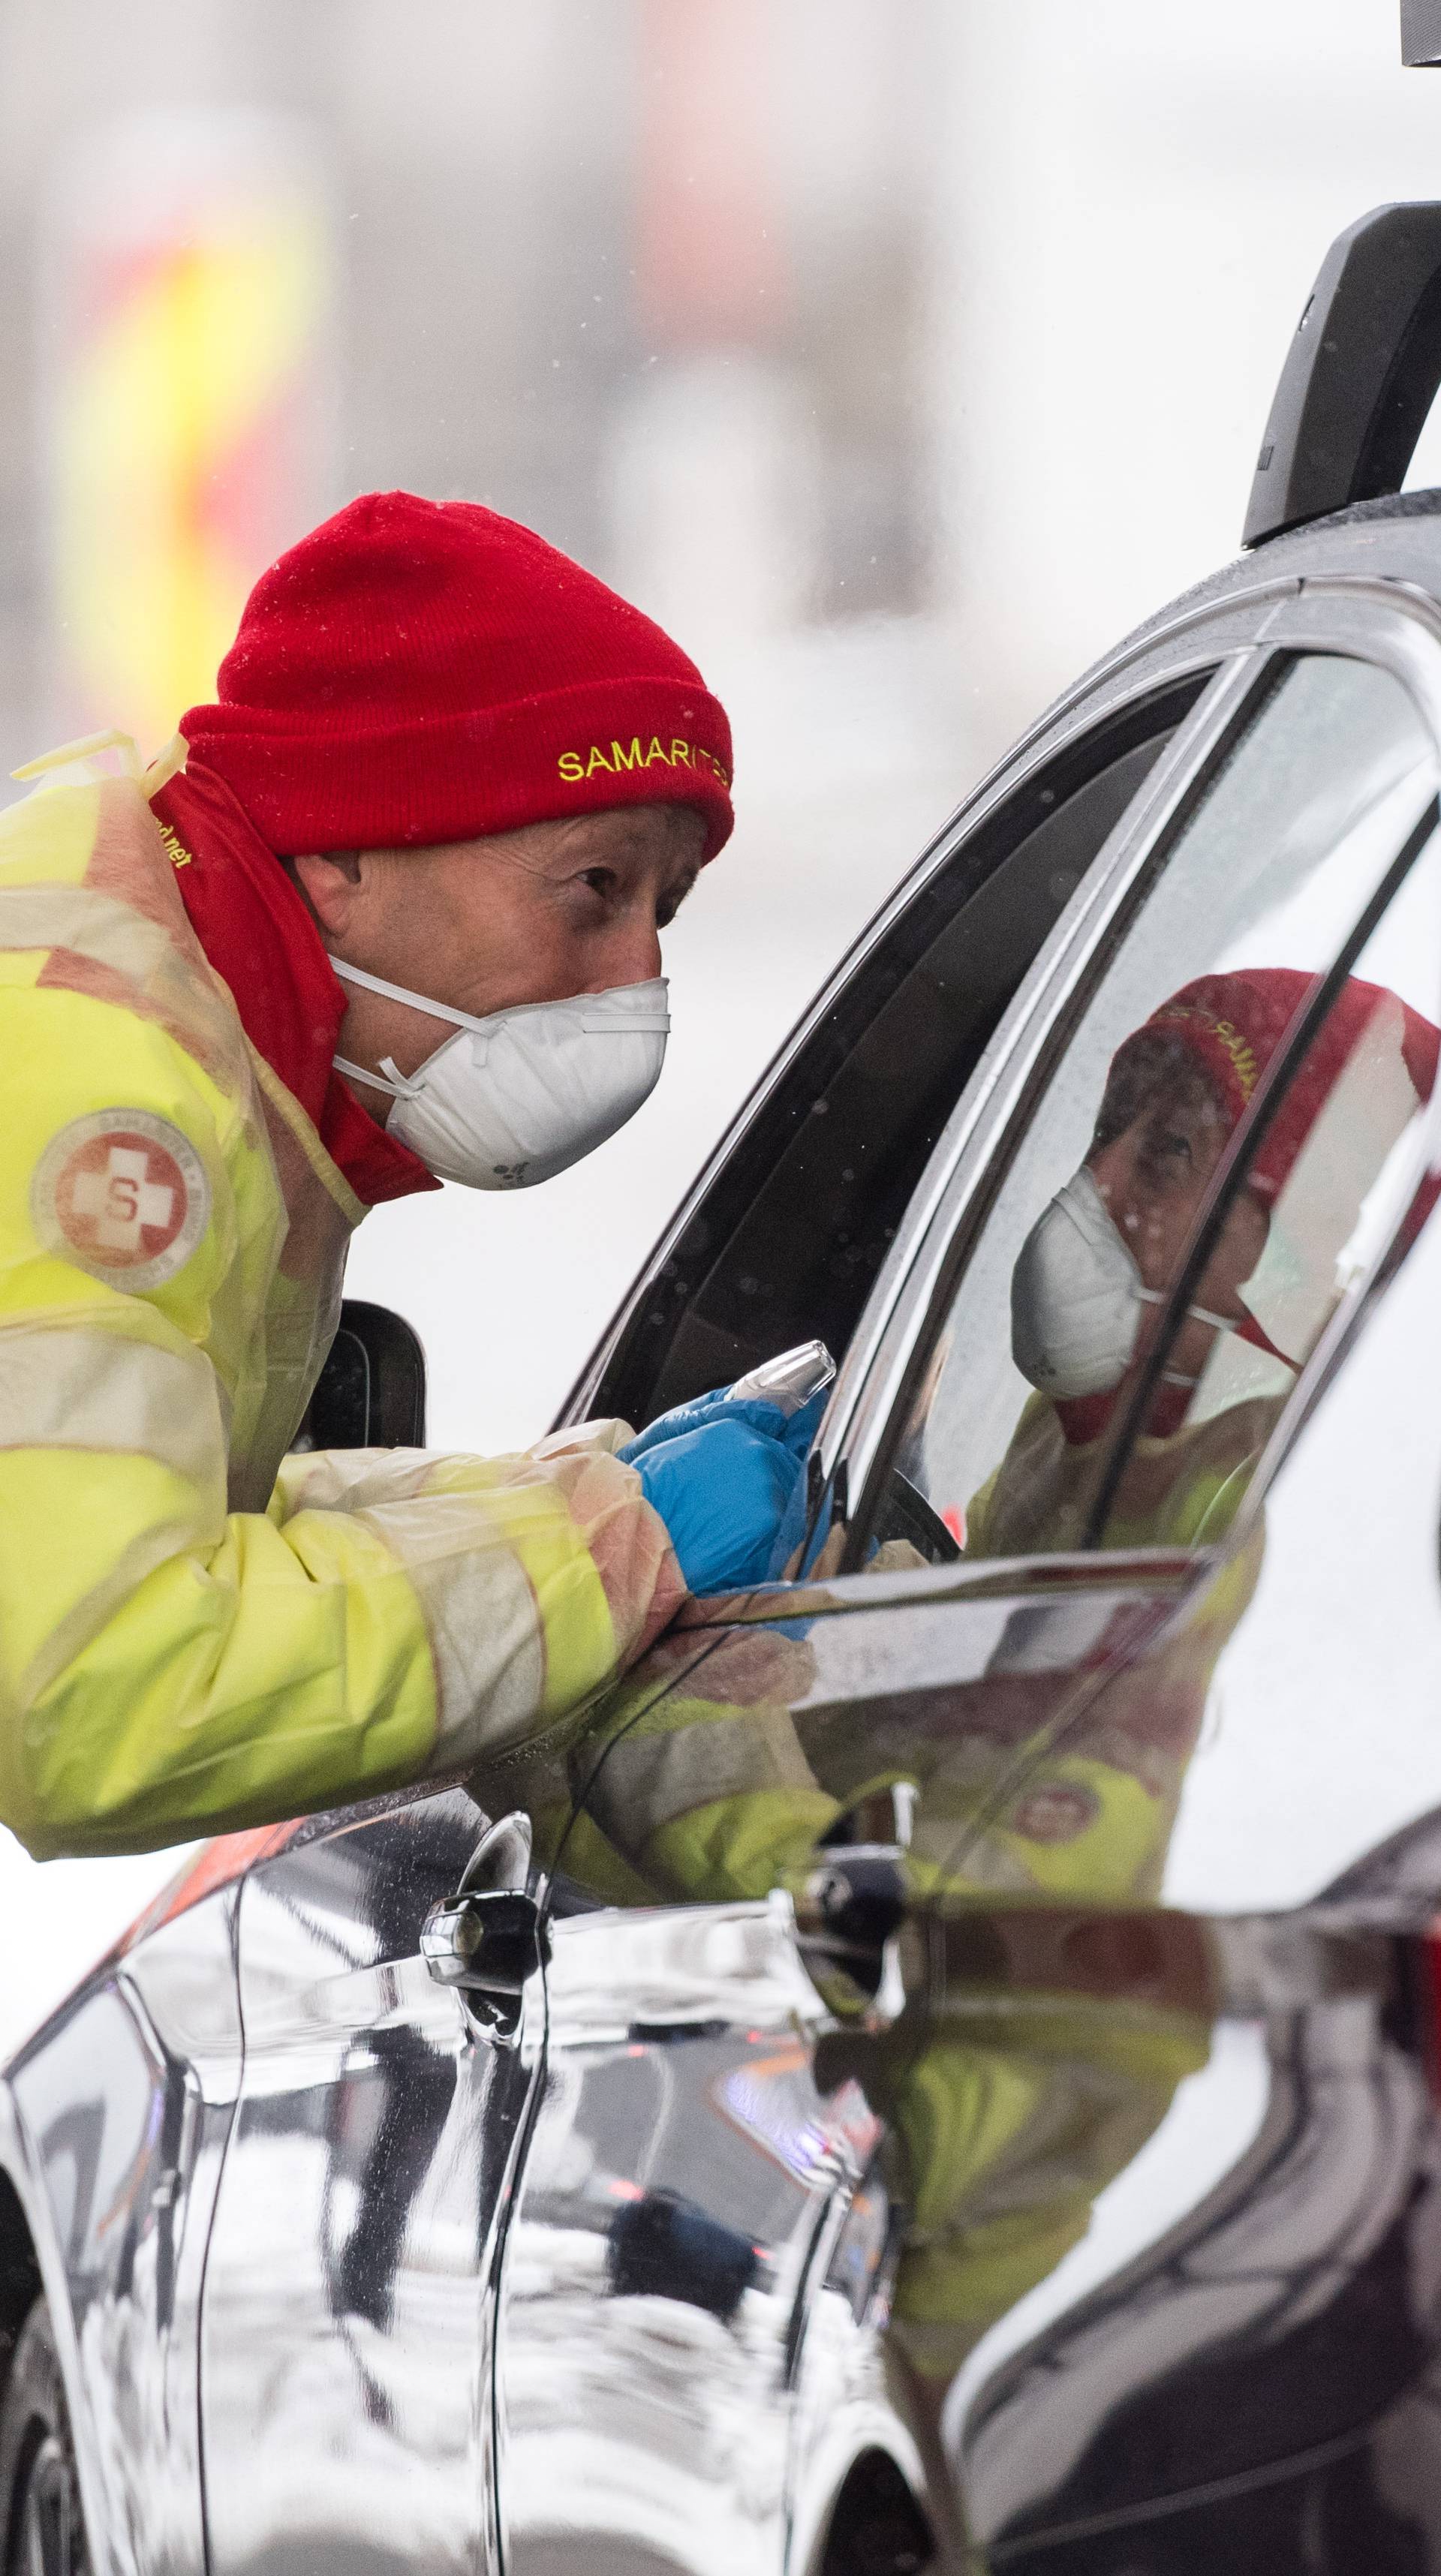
(1180, 1491)
(194, 1636)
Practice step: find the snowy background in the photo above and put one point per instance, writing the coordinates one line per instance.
(899, 355)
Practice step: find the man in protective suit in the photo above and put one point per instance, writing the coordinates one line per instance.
(386, 912)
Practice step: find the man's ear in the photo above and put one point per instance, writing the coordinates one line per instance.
(330, 880)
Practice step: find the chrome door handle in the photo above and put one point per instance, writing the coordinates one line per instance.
(849, 1916)
(487, 1941)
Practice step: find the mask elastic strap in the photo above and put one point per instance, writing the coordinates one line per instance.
(397, 1086)
(1203, 1315)
(638, 1022)
(413, 1001)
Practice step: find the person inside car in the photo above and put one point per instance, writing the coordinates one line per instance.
(386, 912)
(1092, 1276)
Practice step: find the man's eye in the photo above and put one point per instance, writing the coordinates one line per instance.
(1166, 1149)
(601, 879)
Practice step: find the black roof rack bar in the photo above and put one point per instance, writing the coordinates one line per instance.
(1421, 31)
(1359, 375)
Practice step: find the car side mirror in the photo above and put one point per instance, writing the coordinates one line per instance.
(370, 1394)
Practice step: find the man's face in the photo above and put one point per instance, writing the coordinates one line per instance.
(1153, 1176)
(528, 916)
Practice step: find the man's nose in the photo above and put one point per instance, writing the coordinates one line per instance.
(631, 954)
(1110, 1169)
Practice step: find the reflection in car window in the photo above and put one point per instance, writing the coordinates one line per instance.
(786, 1242)
(1321, 1740)
(1010, 1437)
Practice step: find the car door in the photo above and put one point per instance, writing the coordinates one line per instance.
(681, 2110)
(345, 2365)
(959, 1691)
(1277, 2334)
(122, 2105)
(685, 2177)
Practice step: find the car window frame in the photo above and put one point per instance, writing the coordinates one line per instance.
(1238, 1159)
(1194, 641)
(1350, 1317)
(1393, 624)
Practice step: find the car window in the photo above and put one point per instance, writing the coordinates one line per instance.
(1019, 1437)
(1321, 1741)
(785, 1241)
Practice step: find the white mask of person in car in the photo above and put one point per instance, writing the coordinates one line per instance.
(1076, 1297)
(518, 1096)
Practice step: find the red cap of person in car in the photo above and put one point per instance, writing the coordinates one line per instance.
(1370, 1067)
(1234, 1023)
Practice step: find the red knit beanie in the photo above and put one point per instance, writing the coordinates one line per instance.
(419, 671)
(1233, 1023)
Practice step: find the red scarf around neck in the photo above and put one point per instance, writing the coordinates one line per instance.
(254, 928)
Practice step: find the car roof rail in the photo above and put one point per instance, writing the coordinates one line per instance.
(1359, 375)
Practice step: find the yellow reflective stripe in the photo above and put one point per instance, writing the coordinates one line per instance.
(525, 1512)
(519, 1623)
(484, 1631)
(96, 1390)
(479, 1611)
(99, 926)
(577, 1633)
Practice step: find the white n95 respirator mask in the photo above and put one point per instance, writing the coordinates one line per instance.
(518, 1096)
(1076, 1298)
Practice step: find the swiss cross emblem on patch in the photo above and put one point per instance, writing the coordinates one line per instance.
(124, 1194)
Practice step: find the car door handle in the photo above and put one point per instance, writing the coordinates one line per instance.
(850, 1911)
(487, 1941)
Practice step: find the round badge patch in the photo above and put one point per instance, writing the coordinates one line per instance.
(124, 1194)
(1055, 1811)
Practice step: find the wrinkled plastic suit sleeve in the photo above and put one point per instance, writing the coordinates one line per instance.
(170, 1666)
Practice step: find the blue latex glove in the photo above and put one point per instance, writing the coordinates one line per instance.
(723, 1476)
